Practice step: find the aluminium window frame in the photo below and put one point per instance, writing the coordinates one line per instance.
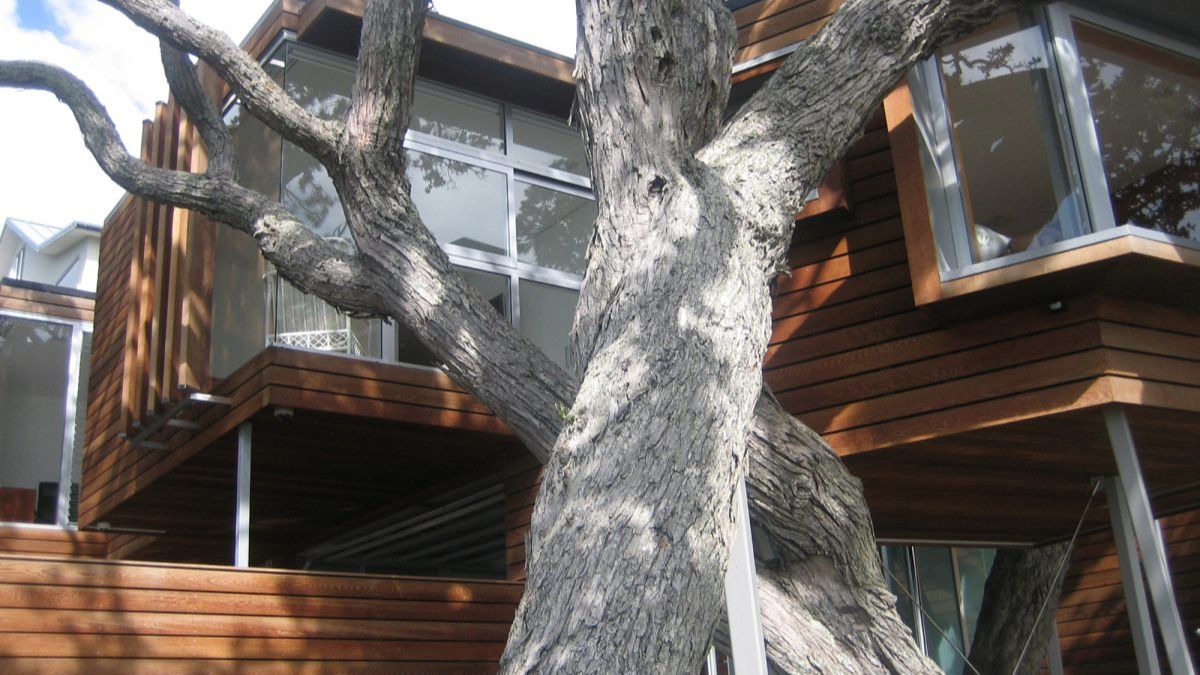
(1077, 133)
(70, 412)
(509, 266)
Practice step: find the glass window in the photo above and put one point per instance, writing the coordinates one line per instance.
(1145, 103)
(546, 142)
(547, 313)
(239, 303)
(462, 204)
(939, 599)
(34, 379)
(1016, 189)
(974, 565)
(899, 579)
(461, 118)
(553, 227)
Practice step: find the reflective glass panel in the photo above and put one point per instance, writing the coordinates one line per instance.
(322, 84)
(553, 227)
(974, 565)
(1145, 102)
(1016, 187)
(239, 304)
(460, 203)
(547, 142)
(895, 566)
(457, 117)
(33, 393)
(939, 598)
(547, 313)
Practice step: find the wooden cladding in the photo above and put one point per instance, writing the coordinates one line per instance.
(45, 303)
(857, 360)
(152, 304)
(771, 25)
(1093, 626)
(161, 318)
(59, 616)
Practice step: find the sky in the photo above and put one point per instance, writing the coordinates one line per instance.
(46, 174)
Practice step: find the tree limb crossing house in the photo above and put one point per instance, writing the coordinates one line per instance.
(993, 315)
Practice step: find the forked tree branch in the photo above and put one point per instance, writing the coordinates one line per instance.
(783, 141)
(300, 255)
(265, 99)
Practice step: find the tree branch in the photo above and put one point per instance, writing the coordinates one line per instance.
(265, 99)
(185, 86)
(387, 66)
(783, 141)
(304, 258)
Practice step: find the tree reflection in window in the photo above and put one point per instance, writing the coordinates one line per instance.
(1145, 102)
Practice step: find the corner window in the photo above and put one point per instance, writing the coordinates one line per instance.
(1052, 128)
(503, 190)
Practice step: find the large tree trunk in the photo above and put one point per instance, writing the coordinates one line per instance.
(631, 530)
(826, 591)
(1011, 636)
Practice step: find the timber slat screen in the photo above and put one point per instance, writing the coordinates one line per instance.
(59, 616)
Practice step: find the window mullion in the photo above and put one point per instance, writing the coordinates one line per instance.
(1079, 112)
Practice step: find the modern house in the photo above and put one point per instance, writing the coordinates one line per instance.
(993, 315)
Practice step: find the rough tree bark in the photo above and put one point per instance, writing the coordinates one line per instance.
(1023, 583)
(631, 531)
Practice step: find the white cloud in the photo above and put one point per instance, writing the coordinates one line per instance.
(46, 173)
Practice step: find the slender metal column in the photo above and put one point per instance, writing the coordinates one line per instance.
(741, 596)
(1149, 539)
(1054, 653)
(241, 554)
(710, 662)
(1131, 580)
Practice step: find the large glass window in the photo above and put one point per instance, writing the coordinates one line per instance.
(1145, 102)
(514, 216)
(1052, 126)
(42, 404)
(939, 591)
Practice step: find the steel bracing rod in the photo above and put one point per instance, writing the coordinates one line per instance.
(1149, 539)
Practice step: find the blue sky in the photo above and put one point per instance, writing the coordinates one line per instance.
(46, 174)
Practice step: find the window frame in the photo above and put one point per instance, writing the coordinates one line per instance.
(941, 190)
(510, 266)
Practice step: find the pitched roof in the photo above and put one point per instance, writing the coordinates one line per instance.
(48, 238)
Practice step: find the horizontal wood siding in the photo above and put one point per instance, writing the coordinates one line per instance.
(46, 303)
(1093, 626)
(858, 361)
(52, 542)
(770, 25)
(522, 480)
(61, 616)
